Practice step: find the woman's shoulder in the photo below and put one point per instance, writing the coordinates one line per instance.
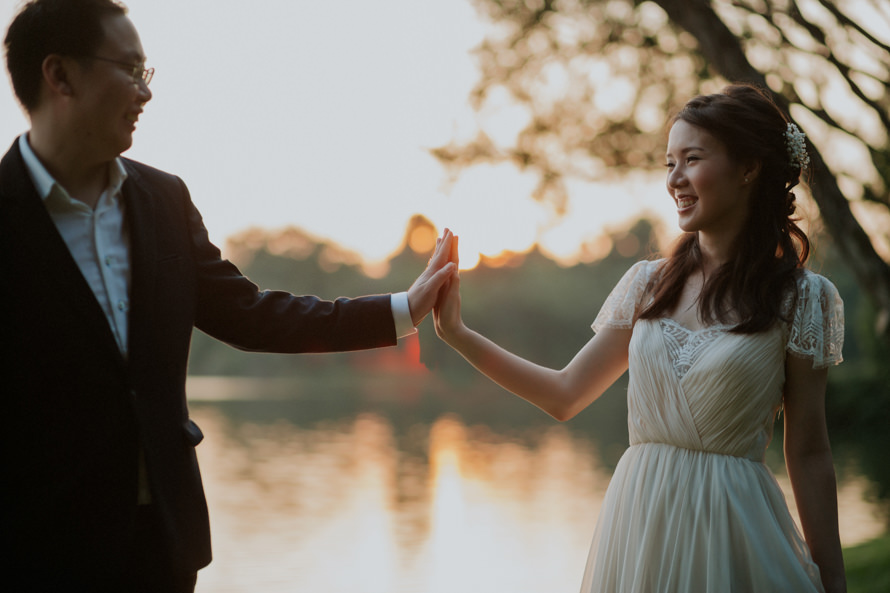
(815, 299)
(646, 268)
(640, 277)
(808, 277)
(810, 286)
(626, 299)
(815, 313)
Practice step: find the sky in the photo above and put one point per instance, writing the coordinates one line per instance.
(320, 115)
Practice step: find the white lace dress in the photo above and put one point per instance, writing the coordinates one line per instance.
(691, 507)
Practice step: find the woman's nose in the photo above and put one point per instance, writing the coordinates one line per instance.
(676, 178)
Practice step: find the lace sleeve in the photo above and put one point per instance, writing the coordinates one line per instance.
(626, 299)
(817, 327)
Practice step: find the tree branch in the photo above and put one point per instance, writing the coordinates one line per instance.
(844, 70)
(848, 22)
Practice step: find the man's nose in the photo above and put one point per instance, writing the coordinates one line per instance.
(144, 92)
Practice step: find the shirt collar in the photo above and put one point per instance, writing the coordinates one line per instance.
(44, 181)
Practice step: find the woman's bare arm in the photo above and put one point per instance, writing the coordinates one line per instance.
(561, 393)
(810, 467)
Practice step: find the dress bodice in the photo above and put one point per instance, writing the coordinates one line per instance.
(720, 393)
(712, 389)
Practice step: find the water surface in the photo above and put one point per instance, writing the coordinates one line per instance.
(377, 485)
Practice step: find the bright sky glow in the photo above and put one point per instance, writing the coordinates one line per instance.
(320, 115)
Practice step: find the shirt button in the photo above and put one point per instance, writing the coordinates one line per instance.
(109, 260)
(122, 305)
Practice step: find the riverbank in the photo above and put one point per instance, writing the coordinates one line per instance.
(868, 566)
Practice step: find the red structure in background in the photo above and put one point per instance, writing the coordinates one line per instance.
(401, 359)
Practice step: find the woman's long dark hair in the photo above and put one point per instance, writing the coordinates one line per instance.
(748, 290)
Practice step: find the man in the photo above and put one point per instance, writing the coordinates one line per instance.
(106, 268)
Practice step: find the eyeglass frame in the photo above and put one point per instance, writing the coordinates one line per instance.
(139, 71)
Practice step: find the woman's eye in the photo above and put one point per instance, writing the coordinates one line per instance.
(669, 165)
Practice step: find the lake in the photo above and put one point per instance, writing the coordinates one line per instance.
(385, 484)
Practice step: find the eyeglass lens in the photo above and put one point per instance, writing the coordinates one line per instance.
(146, 74)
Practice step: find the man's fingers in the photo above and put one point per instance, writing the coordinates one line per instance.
(443, 249)
(441, 276)
(441, 255)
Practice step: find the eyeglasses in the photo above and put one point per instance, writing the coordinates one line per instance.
(137, 71)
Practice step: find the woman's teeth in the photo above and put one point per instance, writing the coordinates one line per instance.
(685, 202)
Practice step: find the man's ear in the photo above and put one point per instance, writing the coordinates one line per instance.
(56, 74)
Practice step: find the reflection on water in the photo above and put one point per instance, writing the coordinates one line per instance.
(351, 502)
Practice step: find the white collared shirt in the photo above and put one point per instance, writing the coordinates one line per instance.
(98, 238)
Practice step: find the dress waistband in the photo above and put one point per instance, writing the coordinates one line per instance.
(751, 456)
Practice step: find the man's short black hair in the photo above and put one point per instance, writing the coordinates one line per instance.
(45, 27)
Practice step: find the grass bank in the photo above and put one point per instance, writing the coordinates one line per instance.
(868, 566)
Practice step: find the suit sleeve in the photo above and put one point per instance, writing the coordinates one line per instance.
(233, 309)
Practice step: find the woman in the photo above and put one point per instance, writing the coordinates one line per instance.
(718, 337)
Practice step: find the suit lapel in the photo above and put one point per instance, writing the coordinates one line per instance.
(46, 267)
(140, 215)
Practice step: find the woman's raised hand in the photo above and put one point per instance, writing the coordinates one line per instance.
(446, 312)
(424, 293)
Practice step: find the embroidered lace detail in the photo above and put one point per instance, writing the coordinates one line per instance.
(816, 331)
(684, 345)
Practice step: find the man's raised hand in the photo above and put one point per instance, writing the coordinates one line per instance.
(423, 294)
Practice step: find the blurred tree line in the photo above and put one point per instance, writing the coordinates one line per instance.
(543, 311)
(511, 298)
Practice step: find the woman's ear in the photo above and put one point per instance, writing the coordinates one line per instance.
(751, 171)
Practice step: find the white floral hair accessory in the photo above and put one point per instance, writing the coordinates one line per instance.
(795, 143)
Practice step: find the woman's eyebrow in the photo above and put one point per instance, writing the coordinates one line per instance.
(688, 149)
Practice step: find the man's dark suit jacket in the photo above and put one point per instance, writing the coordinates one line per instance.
(75, 412)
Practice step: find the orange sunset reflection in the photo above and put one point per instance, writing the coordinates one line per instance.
(339, 508)
(356, 503)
